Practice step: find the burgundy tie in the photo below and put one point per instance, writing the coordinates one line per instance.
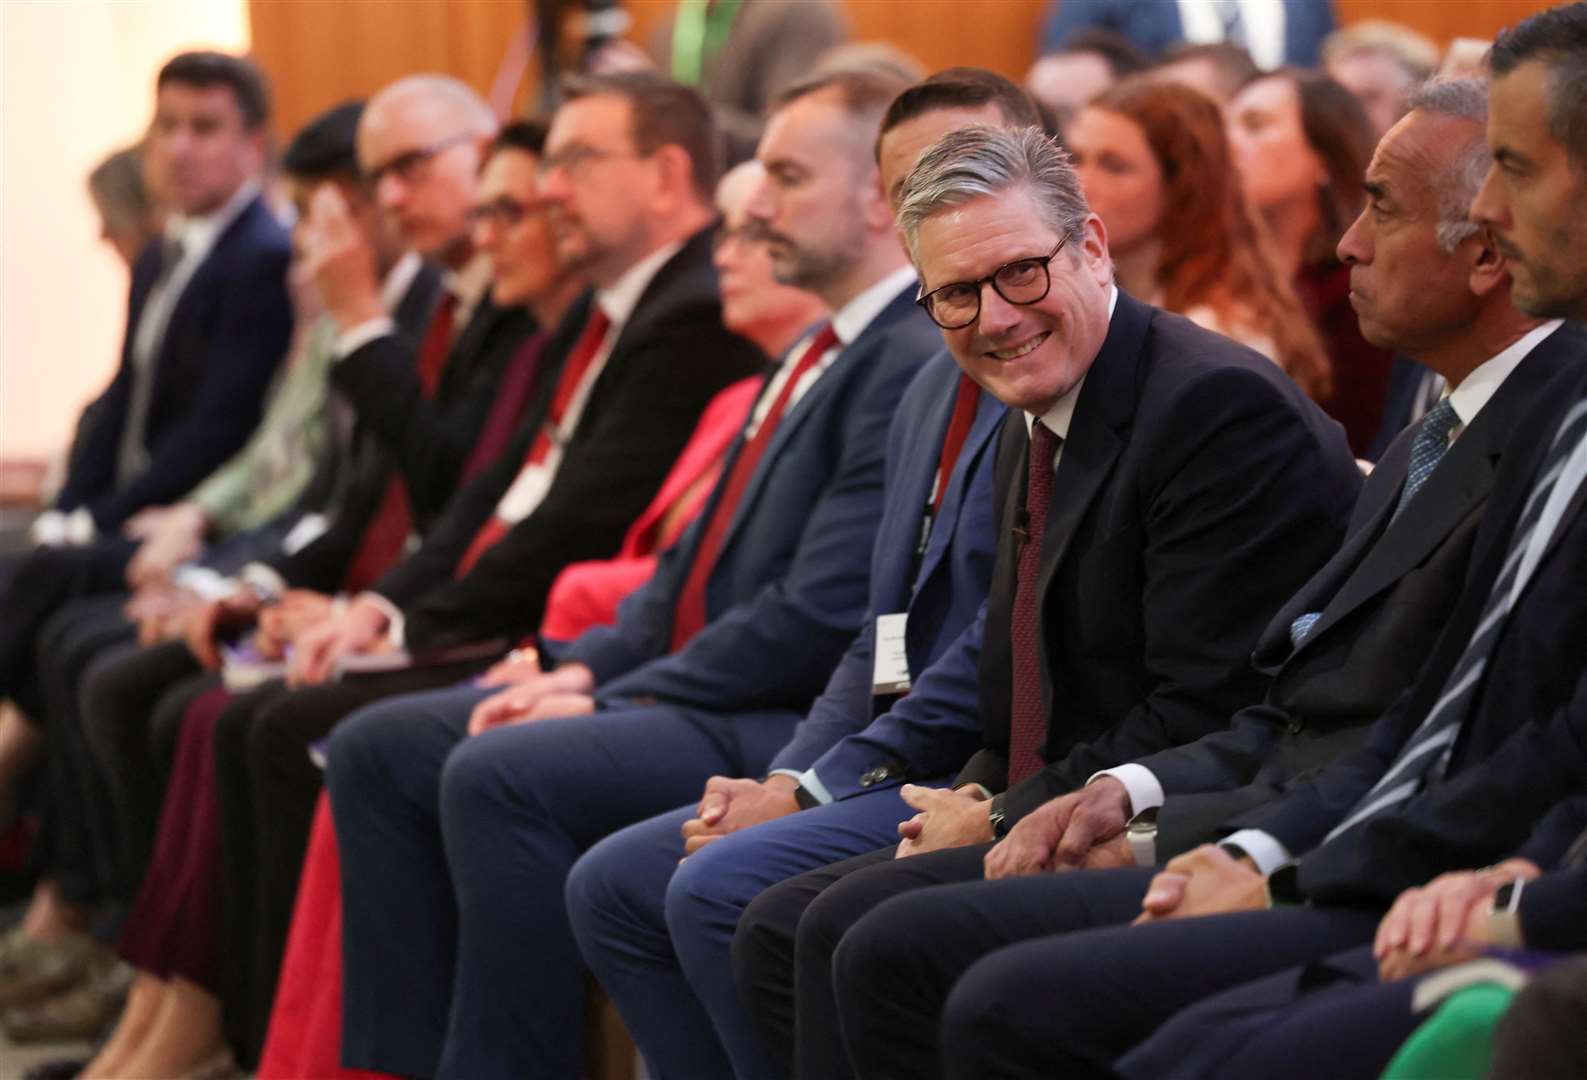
(1028, 722)
(689, 614)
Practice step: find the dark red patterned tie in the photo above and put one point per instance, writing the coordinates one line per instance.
(1028, 721)
(689, 615)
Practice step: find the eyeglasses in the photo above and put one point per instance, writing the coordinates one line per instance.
(503, 211)
(576, 159)
(1023, 281)
(750, 233)
(406, 166)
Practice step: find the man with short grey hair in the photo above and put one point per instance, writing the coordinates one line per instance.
(1140, 452)
(1346, 645)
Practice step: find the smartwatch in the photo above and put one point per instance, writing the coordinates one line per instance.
(998, 817)
(1504, 924)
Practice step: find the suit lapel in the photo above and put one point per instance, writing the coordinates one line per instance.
(989, 414)
(830, 382)
(1102, 415)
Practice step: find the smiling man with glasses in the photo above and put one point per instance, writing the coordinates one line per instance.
(1161, 490)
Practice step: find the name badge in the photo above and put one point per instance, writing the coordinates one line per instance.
(891, 674)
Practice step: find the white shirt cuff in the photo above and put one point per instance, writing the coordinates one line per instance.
(1143, 788)
(203, 581)
(263, 580)
(80, 527)
(1263, 847)
(396, 625)
(49, 529)
(812, 783)
(354, 338)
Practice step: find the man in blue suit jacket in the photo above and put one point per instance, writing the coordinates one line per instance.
(1154, 25)
(708, 669)
(209, 317)
(625, 900)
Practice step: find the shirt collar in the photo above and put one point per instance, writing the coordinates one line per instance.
(850, 321)
(469, 283)
(398, 279)
(1475, 389)
(1057, 418)
(198, 234)
(619, 301)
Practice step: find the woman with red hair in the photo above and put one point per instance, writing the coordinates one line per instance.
(1157, 168)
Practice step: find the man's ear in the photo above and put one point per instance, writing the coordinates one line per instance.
(1488, 268)
(877, 211)
(676, 174)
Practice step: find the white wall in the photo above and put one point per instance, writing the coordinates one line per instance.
(76, 82)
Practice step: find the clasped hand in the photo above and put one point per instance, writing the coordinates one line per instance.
(1083, 829)
(1443, 922)
(729, 805)
(1205, 881)
(946, 819)
(534, 695)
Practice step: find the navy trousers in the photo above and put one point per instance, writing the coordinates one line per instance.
(458, 957)
(1329, 1020)
(659, 935)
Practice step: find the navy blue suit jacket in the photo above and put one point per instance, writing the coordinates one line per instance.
(226, 335)
(1197, 489)
(1384, 598)
(1522, 747)
(788, 591)
(932, 729)
(1154, 25)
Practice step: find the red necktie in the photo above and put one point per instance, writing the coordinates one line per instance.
(1028, 719)
(579, 360)
(437, 343)
(965, 403)
(689, 617)
(387, 532)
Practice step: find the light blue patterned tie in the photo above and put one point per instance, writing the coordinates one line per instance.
(1432, 441)
(1426, 753)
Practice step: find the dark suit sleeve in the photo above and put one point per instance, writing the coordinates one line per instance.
(1478, 815)
(242, 349)
(430, 439)
(609, 474)
(1248, 506)
(1554, 911)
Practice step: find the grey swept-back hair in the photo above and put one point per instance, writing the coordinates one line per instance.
(1456, 188)
(978, 161)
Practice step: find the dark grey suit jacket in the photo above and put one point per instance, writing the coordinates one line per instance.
(1384, 597)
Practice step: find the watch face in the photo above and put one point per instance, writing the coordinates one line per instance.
(1504, 897)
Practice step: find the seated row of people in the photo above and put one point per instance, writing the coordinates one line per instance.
(1013, 586)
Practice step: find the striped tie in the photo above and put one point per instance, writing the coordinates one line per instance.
(1426, 753)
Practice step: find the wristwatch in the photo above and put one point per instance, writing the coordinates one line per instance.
(1141, 833)
(996, 815)
(1504, 924)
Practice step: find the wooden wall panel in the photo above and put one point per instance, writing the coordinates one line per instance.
(318, 52)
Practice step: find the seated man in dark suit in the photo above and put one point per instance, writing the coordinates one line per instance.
(1484, 743)
(707, 669)
(1129, 387)
(1344, 1017)
(98, 816)
(627, 194)
(627, 900)
(208, 321)
(1345, 646)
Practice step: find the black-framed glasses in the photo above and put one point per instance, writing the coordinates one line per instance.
(406, 166)
(1023, 281)
(502, 210)
(575, 159)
